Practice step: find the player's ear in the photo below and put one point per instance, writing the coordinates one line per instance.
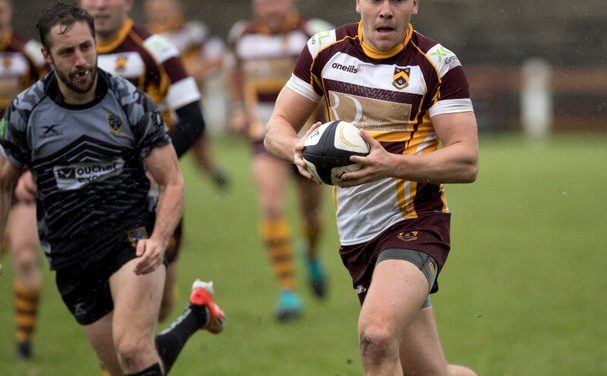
(129, 5)
(415, 7)
(358, 6)
(46, 55)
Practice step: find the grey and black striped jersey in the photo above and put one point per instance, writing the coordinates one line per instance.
(87, 163)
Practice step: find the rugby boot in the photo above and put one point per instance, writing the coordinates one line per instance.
(289, 306)
(202, 296)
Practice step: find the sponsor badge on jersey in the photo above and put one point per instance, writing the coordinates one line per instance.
(121, 64)
(114, 123)
(400, 80)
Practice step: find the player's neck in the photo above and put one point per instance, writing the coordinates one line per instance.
(110, 39)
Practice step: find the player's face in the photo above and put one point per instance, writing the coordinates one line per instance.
(73, 57)
(6, 14)
(162, 12)
(385, 22)
(273, 13)
(109, 15)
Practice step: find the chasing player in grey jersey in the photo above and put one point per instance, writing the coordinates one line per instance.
(86, 136)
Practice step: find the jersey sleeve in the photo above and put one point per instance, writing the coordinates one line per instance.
(453, 93)
(182, 88)
(146, 121)
(13, 137)
(306, 76)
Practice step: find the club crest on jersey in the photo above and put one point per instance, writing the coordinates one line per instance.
(400, 80)
(121, 64)
(7, 62)
(114, 123)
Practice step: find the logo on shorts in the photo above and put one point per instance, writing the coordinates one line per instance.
(407, 236)
(79, 310)
(360, 289)
(432, 267)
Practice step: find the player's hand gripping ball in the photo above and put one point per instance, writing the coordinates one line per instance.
(328, 148)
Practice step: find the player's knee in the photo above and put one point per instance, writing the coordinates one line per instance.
(377, 342)
(26, 260)
(132, 351)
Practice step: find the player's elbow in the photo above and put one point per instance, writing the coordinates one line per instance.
(469, 172)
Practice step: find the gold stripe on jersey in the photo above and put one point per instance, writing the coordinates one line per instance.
(405, 190)
(107, 47)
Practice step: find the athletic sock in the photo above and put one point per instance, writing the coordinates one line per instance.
(170, 341)
(276, 235)
(312, 235)
(26, 311)
(153, 370)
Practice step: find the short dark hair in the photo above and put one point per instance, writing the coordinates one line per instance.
(65, 15)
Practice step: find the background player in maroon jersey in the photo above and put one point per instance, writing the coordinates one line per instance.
(203, 56)
(21, 64)
(265, 50)
(152, 64)
(407, 93)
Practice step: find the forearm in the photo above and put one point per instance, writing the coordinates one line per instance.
(456, 163)
(168, 211)
(280, 138)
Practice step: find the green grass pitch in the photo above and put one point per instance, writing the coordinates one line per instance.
(522, 292)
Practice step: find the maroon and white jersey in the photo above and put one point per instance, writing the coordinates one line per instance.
(267, 60)
(193, 40)
(21, 64)
(393, 95)
(152, 64)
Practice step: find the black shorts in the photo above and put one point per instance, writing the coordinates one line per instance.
(85, 287)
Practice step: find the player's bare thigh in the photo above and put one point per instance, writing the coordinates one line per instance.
(271, 176)
(397, 291)
(136, 307)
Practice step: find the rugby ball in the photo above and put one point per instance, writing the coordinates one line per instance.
(327, 151)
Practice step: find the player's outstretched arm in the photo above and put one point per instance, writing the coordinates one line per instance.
(8, 176)
(163, 165)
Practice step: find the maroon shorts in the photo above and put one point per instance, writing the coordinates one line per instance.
(428, 234)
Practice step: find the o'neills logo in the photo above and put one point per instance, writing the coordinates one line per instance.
(345, 68)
